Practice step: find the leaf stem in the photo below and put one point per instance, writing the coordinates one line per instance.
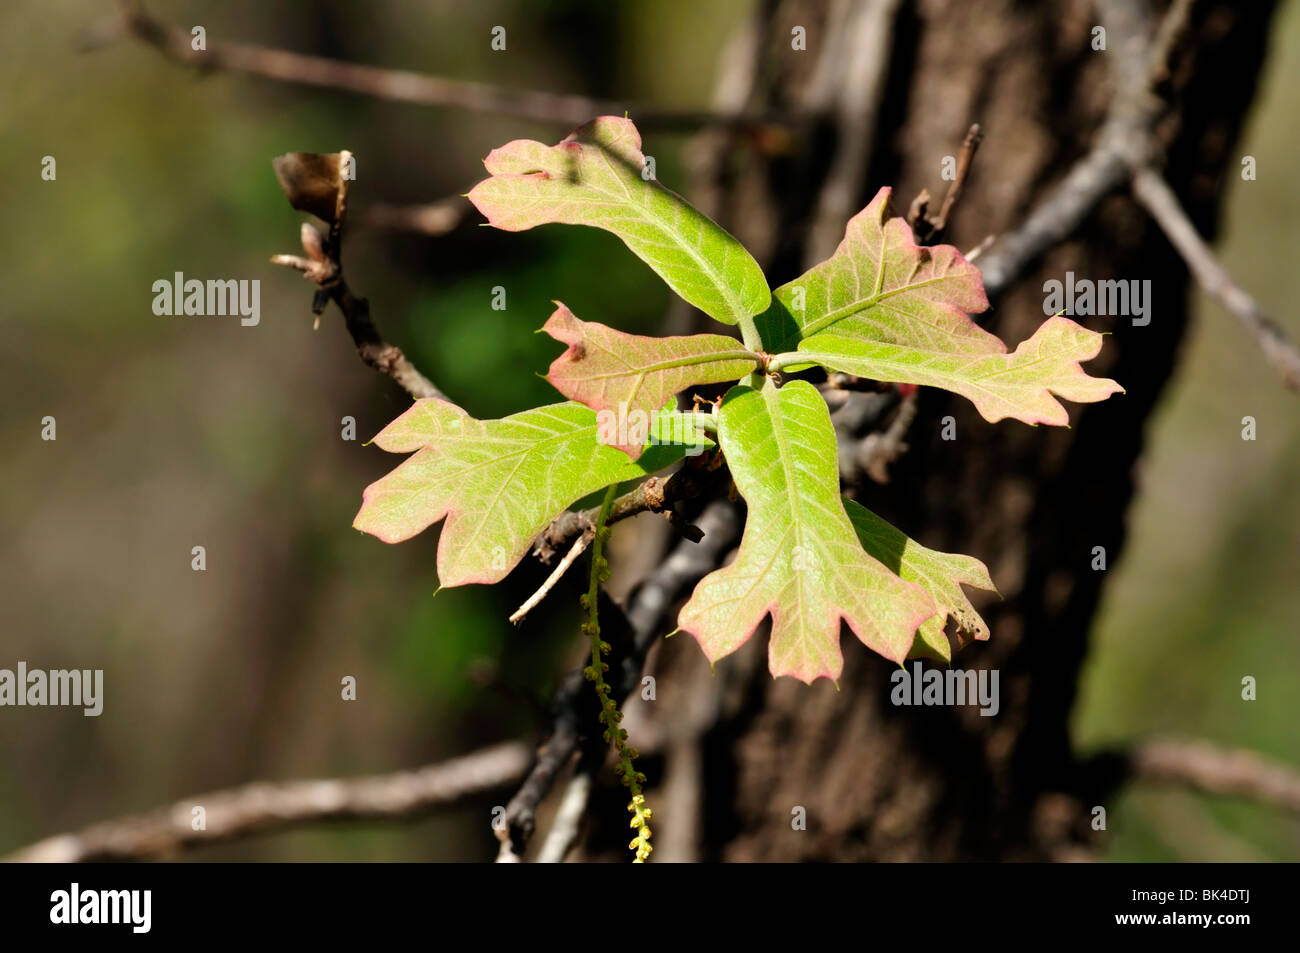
(610, 716)
(778, 361)
(749, 334)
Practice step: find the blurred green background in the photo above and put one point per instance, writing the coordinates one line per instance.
(176, 432)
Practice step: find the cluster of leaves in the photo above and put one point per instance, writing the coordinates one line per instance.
(880, 307)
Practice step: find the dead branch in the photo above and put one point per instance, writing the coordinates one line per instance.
(266, 806)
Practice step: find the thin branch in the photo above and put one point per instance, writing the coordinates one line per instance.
(411, 87)
(1211, 769)
(969, 146)
(654, 495)
(576, 550)
(238, 813)
(1157, 198)
(314, 183)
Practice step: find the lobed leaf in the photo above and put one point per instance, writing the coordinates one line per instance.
(593, 177)
(628, 374)
(1019, 385)
(939, 574)
(497, 482)
(885, 308)
(799, 560)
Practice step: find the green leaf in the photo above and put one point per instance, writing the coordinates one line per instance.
(799, 560)
(497, 482)
(939, 574)
(593, 177)
(630, 374)
(999, 384)
(884, 308)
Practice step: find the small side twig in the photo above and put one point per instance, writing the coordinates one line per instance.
(969, 146)
(317, 184)
(576, 550)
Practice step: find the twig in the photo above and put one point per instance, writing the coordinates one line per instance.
(576, 550)
(416, 88)
(317, 184)
(654, 495)
(263, 806)
(969, 147)
(1158, 199)
(1211, 769)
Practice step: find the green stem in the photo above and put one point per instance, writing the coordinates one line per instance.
(749, 334)
(610, 716)
(778, 361)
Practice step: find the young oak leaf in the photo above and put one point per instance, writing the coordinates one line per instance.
(630, 374)
(497, 482)
(885, 308)
(799, 559)
(594, 177)
(939, 574)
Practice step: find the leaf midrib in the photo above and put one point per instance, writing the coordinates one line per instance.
(738, 310)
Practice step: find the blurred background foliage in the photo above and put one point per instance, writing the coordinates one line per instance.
(176, 432)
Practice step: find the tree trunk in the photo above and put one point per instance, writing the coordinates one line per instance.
(880, 782)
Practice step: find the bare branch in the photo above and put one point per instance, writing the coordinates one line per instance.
(317, 184)
(410, 87)
(264, 806)
(969, 146)
(1211, 769)
(1158, 199)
